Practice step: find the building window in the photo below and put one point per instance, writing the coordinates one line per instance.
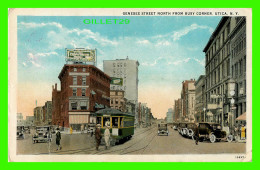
(74, 91)
(75, 69)
(228, 28)
(74, 106)
(74, 80)
(83, 105)
(114, 64)
(83, 92)
(84, 69)
(83, 80)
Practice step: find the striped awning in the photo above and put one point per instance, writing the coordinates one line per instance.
(78, 119)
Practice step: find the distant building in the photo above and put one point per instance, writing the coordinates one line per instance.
(130, 107)
(188, 100)
(169, 116)
(19, 118)
(38, 116)
(47, 113)
(178, 110)
(84, 90)
(200, 103)
(29, 121)
(128, 70)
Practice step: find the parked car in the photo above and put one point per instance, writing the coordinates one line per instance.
(27, 129)
(190, 128)
(42, 134)
(162, 129)
(20, 132)
(211, 132)
(175, 125)
(183, 129)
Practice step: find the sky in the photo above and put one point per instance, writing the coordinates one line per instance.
(168, 48)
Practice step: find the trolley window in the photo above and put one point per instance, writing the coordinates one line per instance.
(106, 121)
(121, 122)
(99, 120)
(114, 122)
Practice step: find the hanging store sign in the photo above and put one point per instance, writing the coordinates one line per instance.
(116, 81)
(81, 55)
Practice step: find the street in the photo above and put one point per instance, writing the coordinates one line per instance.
(144, 141)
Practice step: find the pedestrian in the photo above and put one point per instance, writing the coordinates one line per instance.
(107, 137)
(196, 134)
(243, 132)
(58, 138)
(98, 136)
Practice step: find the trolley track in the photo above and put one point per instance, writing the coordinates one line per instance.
(92, 150)
(128, 147)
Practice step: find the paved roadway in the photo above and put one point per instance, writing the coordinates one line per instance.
(145, 141)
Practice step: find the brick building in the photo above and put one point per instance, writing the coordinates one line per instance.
(117, 100)
(84, 90)
(177, 110)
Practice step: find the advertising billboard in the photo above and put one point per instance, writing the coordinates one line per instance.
(81, 55)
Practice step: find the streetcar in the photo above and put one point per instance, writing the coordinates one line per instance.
(121, 125)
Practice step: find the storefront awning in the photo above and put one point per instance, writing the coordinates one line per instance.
(242, 117)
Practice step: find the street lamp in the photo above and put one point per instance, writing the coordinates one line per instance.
(204, 109)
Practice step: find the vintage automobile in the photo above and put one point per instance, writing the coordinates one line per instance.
(211, 131)
(27, 130)
(190, 129)
(20, 132)
(162, 129)
(175, 125)
(42, 134)
(183, 129)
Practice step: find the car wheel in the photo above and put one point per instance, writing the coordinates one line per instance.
(230, 138)
(191, 133)
(212, 138)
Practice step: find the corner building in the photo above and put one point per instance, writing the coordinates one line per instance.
(84, 90)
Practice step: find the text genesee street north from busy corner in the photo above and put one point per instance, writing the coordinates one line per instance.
(169, 92)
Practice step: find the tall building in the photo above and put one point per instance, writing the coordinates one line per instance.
(169, 116)
(238, 64)
(188, 100)
(178, 110)
(128, 71)
(228, 35)
(200, 104)
(84, 90)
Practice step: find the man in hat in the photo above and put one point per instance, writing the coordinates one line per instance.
(58, 138)
(98, 136)
(107, 136)
(196, 133)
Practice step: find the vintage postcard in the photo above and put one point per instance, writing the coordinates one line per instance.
(130, 85)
